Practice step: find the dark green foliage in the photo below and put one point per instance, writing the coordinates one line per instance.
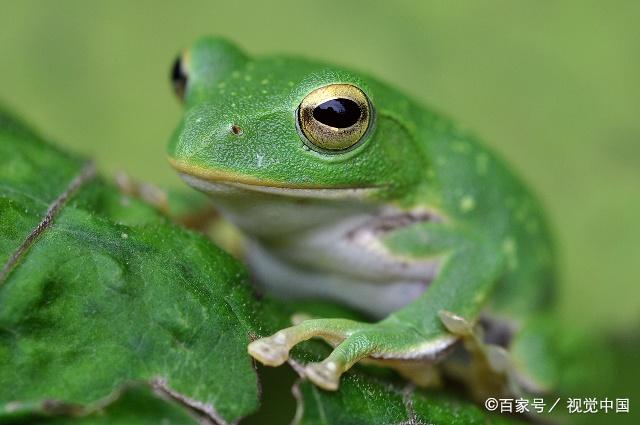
(112, 292)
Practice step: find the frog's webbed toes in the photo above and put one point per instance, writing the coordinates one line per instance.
(491, 365)
(270, 351)
(326, 375)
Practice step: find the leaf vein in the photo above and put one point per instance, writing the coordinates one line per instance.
(87, 173)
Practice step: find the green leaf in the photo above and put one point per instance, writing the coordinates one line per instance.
(365, 400)
(135, 405)
(98, 290)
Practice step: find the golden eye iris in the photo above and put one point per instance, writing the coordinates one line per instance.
(335, 117)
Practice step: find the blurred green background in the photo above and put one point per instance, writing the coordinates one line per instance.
(553, 86)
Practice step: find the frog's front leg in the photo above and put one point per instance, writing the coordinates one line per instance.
(414, 332)
(352, 342)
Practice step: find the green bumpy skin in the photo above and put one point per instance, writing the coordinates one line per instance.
(416, 224)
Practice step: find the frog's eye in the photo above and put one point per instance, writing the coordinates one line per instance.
(334, 118)
(179, 77)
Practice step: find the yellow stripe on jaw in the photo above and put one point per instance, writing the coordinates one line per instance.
(224, 176)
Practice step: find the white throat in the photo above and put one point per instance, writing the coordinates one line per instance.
(323, 243)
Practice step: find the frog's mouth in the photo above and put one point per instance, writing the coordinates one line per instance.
(216, 180)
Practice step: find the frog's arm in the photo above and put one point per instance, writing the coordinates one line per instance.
(467, 275)
(470, 268)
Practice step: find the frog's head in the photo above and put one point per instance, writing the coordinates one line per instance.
(289, 126)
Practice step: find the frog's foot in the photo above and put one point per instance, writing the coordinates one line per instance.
(271, 351)
(274, 350)
(496, 355)
(491, 365)
(326, 375)
(352, 340)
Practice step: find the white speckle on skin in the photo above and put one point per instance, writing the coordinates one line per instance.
(508, 246)
(124, 236)
(280, 337)
(482, 162)
(467, 203)
(198, 120)
(259, 160)
(509, 249)
(461, 147)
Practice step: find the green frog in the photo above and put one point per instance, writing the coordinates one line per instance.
(350, 190)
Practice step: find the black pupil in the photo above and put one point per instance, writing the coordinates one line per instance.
(339, 113)
(178, 77)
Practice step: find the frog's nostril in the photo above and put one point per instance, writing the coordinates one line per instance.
(236, 129)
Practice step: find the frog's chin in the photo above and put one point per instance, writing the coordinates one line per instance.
(222, 182)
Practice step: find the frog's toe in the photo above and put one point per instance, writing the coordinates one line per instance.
(492, 369)
(326, 375)
(457, 325)
(499, 359)
(269, 351)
